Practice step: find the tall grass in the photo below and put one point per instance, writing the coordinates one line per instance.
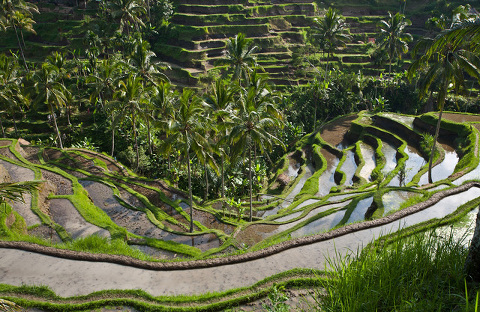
(422, 273)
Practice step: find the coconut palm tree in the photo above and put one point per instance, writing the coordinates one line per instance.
(15, 13)
(186, 134)
(239, 57)
(445, 59)
(50, 91)
(220, 100)
(393, 37)
(104, 81)
(255, 124)
(128, 13)
(330, 32)
(141, 61)
(11, 97)
(163, 103)
(130, 98)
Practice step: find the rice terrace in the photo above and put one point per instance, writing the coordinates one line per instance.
(239, 155)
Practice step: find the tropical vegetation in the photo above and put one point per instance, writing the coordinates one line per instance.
(224, 140)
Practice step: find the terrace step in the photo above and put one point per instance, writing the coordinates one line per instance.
(210, 9)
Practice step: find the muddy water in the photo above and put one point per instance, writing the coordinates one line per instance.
(137, 222)
(392, 200)
(444, 169)
(18, 174)
(358, 213)
(349, 167)
(390, 153)
(292, 170)
(64, 213)
(368, 155)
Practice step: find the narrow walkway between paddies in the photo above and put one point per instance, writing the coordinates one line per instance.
(72, 277)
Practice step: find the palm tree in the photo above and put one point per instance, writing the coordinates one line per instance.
(163, 103)
(104, 81)
(51, 92)
(186, 133)
(446, 61)
(393, 37)
(130, 99)
(239, 57)
(141, 62)
(220, 101)
(330, 32)
(14, 13)
(254, 124)
(129, 13)
(11, 97)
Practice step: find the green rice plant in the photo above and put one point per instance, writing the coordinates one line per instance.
(420, 273)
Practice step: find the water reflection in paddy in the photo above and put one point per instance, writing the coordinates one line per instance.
(439, 210)
(406, 120)
(327, 179)
(320, 225)
(392, 200)
(309, 170)
(358, 213)
(368, 155)
(444, 169)
(349, 167)
(390, 153)
(472, 175)
(312, 213)
(412, 166)
(340, 197)
(462, 231)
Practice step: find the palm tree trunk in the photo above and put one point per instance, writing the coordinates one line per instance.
(15, 124)
(23, 40)
(472, 262)
(190, 195)
(20, 46)
(149, 137)
(206, 181)
(137, 162)
(437, 131)
(223, 178)
(3, 129)
(113, 136)
(250, 178)
(56, 126)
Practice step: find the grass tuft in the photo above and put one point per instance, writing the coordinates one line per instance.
(420, 273)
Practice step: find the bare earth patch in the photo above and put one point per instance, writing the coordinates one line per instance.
(334, 132)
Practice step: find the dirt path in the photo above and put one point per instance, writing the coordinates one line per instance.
(73, 277)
